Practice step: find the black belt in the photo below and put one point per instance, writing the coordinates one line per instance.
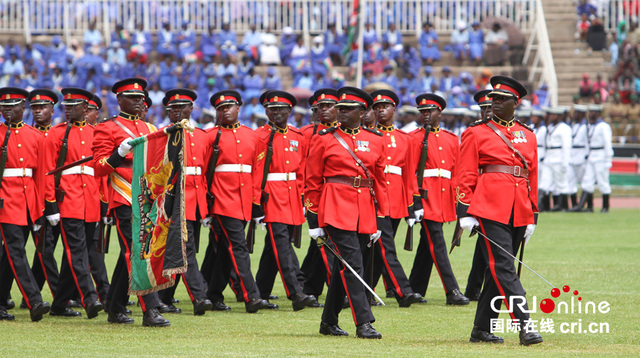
(554, 147)
(578, 146)
(516, 171)
(355, 182)
(597, 148)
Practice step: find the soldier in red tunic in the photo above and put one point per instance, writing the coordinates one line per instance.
(236, 191)
(401, 184)
(21, 199)
(437, 198)
(179, 103)
(281, 198)
(72, 200)
(340, 193)
(112, 156)
(497, 194)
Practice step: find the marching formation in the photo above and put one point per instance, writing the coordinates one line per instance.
(351, 175)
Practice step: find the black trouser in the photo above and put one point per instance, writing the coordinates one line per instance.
(278, 257)
(386, 260)
(119, 289)
(431, 251)
(45, 266)
(501, 278)
(97, 266)
(74, 270)
(316, 269)
(214, 275)
(193, 280)
(232, 252)
(14, 263)
(476, 274)
(347, 244)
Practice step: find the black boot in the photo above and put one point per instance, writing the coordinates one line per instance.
(543, 202)
(605, 203)
(557, 203)
(564, 202)
(574, 200)
(580, 206)
(589, 203)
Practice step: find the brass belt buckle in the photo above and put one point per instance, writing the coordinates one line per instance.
(516, 171)
(24, 172)
(357, 181)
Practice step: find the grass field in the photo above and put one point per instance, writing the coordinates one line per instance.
(596, 254)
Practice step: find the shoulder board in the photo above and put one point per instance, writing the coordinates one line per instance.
(327, 130)
(448, 132)
(524, 125)
(479, 121)
(107, 119)
(61, 124)
(373, 130)
(295, 130)
(195, 129)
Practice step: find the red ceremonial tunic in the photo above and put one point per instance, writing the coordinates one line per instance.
(25, 149)
(195, 156)
(496, 196)
(443, 150)
(398, 155)
(234, 192)
(289, 156)
(340, 205)
(107, 137)
(307, 131)
(81, 193)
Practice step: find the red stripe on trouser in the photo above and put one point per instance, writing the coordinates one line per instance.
(127, 258)
(70, 262)
(396, 286)
(323, 253)
(277, 257)
(433, 253)
(492, 267)
(233, 261)
(95, 283)
(44, 270)
(184, 280)
(344, 281)
(6, 250)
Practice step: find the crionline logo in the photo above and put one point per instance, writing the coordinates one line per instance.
(548, 305)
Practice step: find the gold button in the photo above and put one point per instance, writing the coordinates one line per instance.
(83, 157)
(355, 150)
(194, 158)
(440, 148)
(289, 188)
(443, 161)
(238, 141)
(388, 134)
(287, 162)
(241, 184)
(388, 158)
(239, 155)
(82, 142)
(84, 185)
(357, 164)
(284, 136)
(141, 133)
(516, 185)
(442, 189)
(17, 131)
(437, 135)
(196, 187)
(509, 129)
(389, 145)
(21, 159)
(353, 137)
(513, 155)
(25, 186)
(193, 144)
(286, 149)
(388, 183)
(19, 145)
(81, 131)
(234, 131)
(359, 191)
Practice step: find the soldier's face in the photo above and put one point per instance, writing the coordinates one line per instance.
(327, 112)
(485, 112)
(13, 113)
(384, 113)
(503, 106)
(42, 113)
(75, 113)
(279, 115)
(92, 115)
(131, 104)
(227, 114)
(351, 116)
(179, 112)
(430, 116)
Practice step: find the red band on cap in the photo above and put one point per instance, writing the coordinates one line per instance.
(93, 103)
(40, 97)
(511, 90)
(178, 97)
(484, 99)
(12, 96)
(425, 102)
(277, 99)
(384, 98)
(350, 97)
(130, 87)
(323, 97)
(225, 98)
(76, 96)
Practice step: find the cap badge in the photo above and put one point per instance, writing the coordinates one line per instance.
(424, 101)
(37, 96)
(136, 86)
(379, 97)
(498, 85)
(275, 98)
(222, 98)
(344, 95)
(322, 96)
(8, 96)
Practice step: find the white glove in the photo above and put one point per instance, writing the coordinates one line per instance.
(36, 227)
(53, 219)
(528, 233)
(259, 221)
(468, 223)
(608, 164)
(316, 233)
(410, 221)
(124, 148)
(419, 214)
(206, 221)
(107, 220)
(374, 237)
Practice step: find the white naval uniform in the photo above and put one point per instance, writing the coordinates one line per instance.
(558, 156)
(544, 172)
(579, 153)
(600, 158)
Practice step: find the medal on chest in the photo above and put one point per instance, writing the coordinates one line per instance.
(393, 141)
(519, 137)
(293, 145)
(363, 145)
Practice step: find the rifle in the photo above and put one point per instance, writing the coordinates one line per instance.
(457, 234)
(3, 160)
(71, 165)
(296, 238)
(61, 159)
(408, 241)
(211, 168)
(264, 198)
(40, 236)
(103, 237)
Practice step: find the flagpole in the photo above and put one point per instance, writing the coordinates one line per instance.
(361, 20)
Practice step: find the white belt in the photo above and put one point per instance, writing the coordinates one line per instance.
(17, 172)
(193, 171)
(281, 176)
(235, 168)
(78, 169)
(393, 169)
(438, 173)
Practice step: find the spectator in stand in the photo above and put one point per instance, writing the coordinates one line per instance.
(582, 27)
(614, 51)
(166, 41)
(460, 42)
(621, 35)
(13, 65)
(586, 8)
(305, 80)
(335, 43)
(244, 66)
(370, 36)
(601, 86)
(393, 37)
(409, 59)
(287, 42)
(251, 42)
(596, 37)
(168, 77)
(389, 78)
(411, 83)
(56, 53)
(272, 81)
(120, 35)
(634, 34)
(269, 51)
(226, 67)
(368, 78)
(92, 36)
(252, 84)
(476, 43)
(209, 44)
(496, 41)
(428, 41)
(250, 109)
(185, 41)
(387, 54)
(322, 81)
(156, 95)
(585, 88)
(319, 56)
(116, 54)
(542, 97)
(626, 83)
(142, 38)
(447, 81)
(228, 35)
(12, 46)
(616, 114)
(405, 96)
(428, 81)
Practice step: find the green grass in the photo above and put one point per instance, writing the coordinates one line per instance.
(596, 254)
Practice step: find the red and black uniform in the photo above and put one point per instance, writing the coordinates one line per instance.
(79, 209)
(235, 187)
(22, 195)
(108, 136)
(504, 204)
(345, 210)
(439, 207)
(283, 207)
